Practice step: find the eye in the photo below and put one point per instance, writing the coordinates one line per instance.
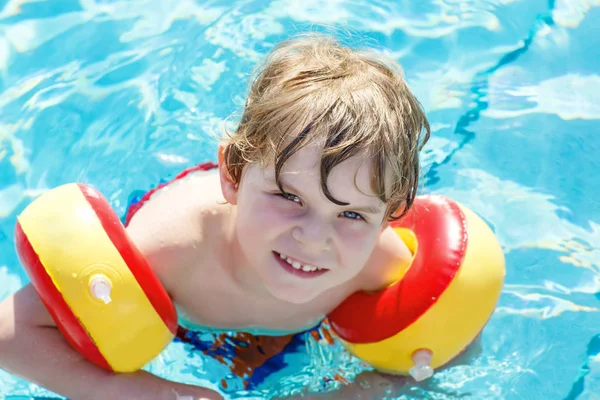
(290, 197)
(353, 215)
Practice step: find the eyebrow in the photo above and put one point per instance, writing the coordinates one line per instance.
(349, 207)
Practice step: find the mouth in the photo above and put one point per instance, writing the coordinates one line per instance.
(297, 268)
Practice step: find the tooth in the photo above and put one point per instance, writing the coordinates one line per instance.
(282, 256)
(296, 265)
(306, 268)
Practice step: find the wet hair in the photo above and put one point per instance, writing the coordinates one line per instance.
(313, 89)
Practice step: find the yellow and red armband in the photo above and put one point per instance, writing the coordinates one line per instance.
(96, 284)
(442, 301)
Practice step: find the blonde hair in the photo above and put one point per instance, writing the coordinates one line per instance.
(313, 89)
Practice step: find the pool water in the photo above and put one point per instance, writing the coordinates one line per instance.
(123, 94)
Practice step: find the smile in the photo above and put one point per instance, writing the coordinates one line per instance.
(298, 268)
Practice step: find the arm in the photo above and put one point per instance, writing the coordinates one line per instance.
(33, 348)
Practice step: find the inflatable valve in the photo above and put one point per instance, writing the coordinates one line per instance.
(101, 287)
(422, 369)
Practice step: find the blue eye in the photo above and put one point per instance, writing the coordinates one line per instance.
(290, 197)
(352, 215)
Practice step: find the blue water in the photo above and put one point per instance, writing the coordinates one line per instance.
(122, 94)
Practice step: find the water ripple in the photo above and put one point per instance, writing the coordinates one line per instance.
(138, 88)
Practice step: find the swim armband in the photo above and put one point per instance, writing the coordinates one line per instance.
(441, 301)
(97, 286)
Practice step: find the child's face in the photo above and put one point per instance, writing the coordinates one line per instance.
(323, 244)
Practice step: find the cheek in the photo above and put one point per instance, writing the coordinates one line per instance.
(261, 217)
(357, 241)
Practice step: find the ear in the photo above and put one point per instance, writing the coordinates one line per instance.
(228, 187)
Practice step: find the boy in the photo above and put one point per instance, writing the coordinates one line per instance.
(293, 220)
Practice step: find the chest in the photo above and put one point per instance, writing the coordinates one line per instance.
(217, 302)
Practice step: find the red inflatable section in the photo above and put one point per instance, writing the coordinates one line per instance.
(440, 228)
(64, 318)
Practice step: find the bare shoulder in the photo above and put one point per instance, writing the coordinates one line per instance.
(388, 262)
(174, 230)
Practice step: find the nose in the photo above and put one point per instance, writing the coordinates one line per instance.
(313, 233)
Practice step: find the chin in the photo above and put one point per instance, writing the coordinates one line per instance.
(293, 296)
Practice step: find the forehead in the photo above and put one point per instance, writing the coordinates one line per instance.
(351, 177)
